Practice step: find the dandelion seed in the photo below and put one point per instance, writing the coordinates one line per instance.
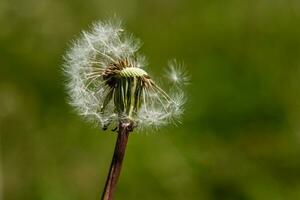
(108, 84)
(177, 74)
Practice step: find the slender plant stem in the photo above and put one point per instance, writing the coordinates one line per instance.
(116, 163)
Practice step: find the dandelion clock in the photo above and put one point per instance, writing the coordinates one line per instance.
(109, 86)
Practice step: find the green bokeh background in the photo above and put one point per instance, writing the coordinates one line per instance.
(240, 135)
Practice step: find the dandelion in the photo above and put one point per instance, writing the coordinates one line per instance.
(108, 85)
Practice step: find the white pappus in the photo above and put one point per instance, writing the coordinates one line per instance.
(107, 83)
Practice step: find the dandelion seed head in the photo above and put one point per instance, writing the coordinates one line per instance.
(107, 83)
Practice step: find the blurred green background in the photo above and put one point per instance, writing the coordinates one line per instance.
(240, 136)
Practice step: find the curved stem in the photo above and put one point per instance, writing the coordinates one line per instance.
(116, 163)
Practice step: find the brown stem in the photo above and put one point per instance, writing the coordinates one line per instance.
(116, 163)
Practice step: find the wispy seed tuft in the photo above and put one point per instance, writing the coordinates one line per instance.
(107, 82)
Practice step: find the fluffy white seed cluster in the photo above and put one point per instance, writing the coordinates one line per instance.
(99, 61)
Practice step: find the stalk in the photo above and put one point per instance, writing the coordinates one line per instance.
(116, 164)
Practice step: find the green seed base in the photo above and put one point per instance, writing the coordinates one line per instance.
(132, 72)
